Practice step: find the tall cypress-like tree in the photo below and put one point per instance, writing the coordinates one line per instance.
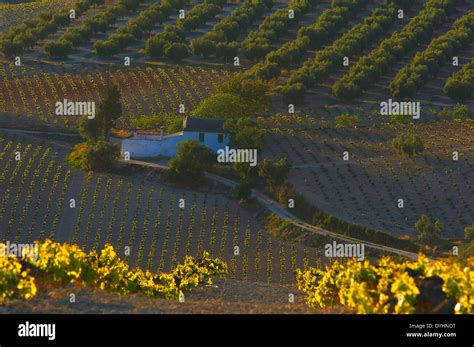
(110, 109)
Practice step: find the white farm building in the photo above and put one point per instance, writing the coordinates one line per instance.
(209, 132)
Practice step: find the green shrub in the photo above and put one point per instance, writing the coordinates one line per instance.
(237, 98)
(191, 161)
(58, 49)
(469, 233)
(97, 156)
(466, 250)
(457, 111)
(203, 47)
(294, 92)
(408, 144)
(347, 121)
(222, 106)
(170, 123)
(401, 118)
(176, 51)
(227, 51)
(244, 133)
(243, 190)
(282, 228)
(274, 172)
(428, 231)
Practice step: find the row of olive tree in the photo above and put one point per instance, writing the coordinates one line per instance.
(221, 41)
(428, 63)
(24, 36)
(259, 43)
(170, 42)
(370, 67)
(460, 85)
(331, 58)
(137, 28)
(98, 23)
(313, 36)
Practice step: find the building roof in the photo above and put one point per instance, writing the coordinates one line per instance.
(204, 125)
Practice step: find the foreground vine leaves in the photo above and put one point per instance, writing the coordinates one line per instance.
(65, 263)
(443, 286)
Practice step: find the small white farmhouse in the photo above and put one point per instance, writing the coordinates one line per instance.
(209, 132)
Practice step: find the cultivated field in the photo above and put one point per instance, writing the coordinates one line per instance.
(133, 211)
(366, 188)
(332, 57)
(344, 33)
(320, 94)
(30, 95)
(13, 14)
